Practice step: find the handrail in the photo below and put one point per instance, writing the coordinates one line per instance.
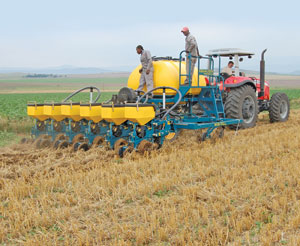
(188, 73)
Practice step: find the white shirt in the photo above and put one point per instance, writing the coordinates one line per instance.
(227, 70)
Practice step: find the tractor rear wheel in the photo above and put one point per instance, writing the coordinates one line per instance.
(241, 103)
(279, 109)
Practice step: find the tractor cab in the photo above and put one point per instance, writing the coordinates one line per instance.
(235, 55)
(238, 78)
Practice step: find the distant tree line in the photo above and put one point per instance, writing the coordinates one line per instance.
(41, 75)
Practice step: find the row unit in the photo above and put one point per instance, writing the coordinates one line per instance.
(118, 113)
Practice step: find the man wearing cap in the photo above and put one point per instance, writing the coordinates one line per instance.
(191, 48)
(147, 69)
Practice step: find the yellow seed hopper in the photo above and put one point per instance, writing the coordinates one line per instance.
(139, 113)
(53, 111)
(114, 113)
(36, 111)
(91, 111)
(71, 110)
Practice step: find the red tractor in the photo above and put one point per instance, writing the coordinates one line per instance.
(244, 97)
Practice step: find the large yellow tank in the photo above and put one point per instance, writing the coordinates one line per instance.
(166, 73)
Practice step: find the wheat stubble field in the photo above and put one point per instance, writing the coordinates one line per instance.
(241, 190)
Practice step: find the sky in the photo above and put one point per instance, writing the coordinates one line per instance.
(96, 33)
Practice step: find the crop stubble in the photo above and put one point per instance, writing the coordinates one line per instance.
(241, 190)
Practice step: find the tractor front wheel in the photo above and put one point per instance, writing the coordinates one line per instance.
(241, 103)
(279, 109)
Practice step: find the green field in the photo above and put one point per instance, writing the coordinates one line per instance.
(13, 106)
(292, 93)
(27, 85)
(15, 122)
(62, 80)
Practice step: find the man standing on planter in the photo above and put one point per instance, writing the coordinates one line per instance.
(147, 69)
(191, 48)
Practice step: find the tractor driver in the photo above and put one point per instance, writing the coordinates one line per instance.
(228, 68)
(147, 69)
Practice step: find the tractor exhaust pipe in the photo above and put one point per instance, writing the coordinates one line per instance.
(262, 74)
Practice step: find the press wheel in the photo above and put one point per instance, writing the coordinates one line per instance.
(144, 146)
(119, 144)
(99, 140)
(63, 144)
(60, 136)
(83, 146)
(127, 151)
(37, 142)
(26, 141)
(75, 146)
(44, 143)
(78, 138)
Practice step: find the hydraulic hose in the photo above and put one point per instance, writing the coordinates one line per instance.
(164, 87)
(139, 91)
(82, 89)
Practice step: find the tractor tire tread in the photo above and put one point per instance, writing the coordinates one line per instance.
(274, 109)
(232, 105)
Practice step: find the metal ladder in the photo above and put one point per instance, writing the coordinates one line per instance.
(210, 97)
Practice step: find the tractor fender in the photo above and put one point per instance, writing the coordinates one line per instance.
(234, 82)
